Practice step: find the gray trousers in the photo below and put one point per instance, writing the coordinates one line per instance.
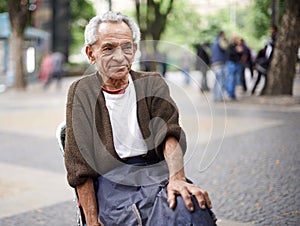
(138, 196)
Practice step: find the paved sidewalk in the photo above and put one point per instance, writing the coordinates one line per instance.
(33, 189)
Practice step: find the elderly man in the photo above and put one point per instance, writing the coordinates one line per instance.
(124, 146)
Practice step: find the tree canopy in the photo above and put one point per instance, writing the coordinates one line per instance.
(81, 12)
(252, 23)
(3, 6)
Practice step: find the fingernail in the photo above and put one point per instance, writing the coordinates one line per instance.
(203, 206)
(191, 208)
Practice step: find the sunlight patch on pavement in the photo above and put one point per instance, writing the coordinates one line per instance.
(207, 129)
(24, 189)
(40, 122)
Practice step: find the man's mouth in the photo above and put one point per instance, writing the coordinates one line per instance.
(120, 68)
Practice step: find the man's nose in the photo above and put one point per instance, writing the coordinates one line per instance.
(118, 53)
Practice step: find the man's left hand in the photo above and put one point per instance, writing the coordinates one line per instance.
(185, 189)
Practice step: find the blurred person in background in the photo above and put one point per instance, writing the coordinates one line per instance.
(233, 66)
(263, 59)
(58, 60)
(161, 58)
(185, 64)
(246, 62)
(218, 59)
(202, 64)
(46, 68)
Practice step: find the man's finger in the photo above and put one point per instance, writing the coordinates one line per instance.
(171, 199)
(207, 199)
(187, 199)
(200, 198)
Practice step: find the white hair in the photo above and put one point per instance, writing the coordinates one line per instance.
(91, 29)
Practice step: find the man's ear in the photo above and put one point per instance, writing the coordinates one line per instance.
(134, 48)
(90, 55)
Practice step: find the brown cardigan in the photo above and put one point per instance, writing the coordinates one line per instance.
(89, 150)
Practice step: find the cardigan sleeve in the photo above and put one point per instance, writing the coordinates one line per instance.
(164, 116)
(78, 135)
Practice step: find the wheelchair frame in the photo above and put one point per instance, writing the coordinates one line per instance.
(61, 136)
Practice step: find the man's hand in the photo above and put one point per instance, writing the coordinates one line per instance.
(185, 189)
(177, 181)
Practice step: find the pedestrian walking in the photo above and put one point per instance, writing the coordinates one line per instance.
(263, 60)
(202, 64)
(185, 64)
(161, 58)
(246, 63)
(58, 60)
(46, 68)
(218, 59)
(233, 66)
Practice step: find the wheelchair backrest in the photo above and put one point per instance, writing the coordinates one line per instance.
(61, 136)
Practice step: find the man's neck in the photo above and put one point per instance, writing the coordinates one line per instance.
(116, 84)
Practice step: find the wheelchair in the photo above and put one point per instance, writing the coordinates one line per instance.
(80, 218)
(61, 136)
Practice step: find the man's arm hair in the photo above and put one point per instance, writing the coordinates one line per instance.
(87, 199)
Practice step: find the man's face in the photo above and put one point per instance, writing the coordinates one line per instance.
(114, 51)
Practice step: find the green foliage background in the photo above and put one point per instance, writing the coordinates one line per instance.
(3, 6)
(187, 27)
(81, 12)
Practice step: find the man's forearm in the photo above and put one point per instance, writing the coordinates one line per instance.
(177, 181)
(174, 158)
(87, 199)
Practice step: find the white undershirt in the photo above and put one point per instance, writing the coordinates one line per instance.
(127, 136)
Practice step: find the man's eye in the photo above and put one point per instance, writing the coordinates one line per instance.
(127, 48)
(106, 50)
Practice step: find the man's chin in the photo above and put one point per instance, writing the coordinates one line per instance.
(119, 74)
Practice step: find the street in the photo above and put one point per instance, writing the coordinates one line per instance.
(245, 153)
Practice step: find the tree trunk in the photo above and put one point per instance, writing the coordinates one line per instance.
(155, 20)
(61, 22)
(18, 14)
(16, 66)
(137, 9)
(282, 68)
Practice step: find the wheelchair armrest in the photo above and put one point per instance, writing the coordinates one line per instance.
(61, 136)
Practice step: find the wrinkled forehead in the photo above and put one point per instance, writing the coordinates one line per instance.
(115, 30)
